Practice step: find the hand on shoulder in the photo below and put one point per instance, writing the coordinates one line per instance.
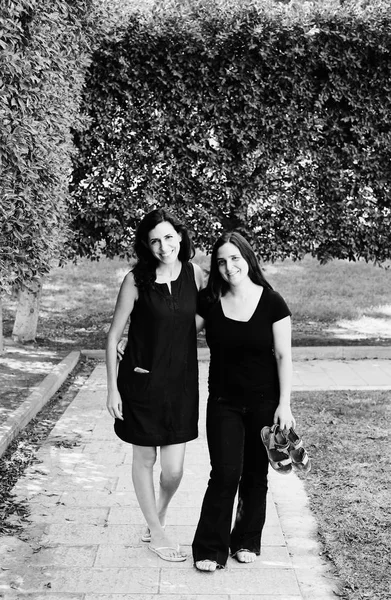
(199, 276)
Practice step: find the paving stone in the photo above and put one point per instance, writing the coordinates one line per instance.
(61, 514)
(77, 534)
(98, 498)
(378, 374)
(272, 557)
(88, 580)
(272, 536)
(13, 553)
(126, 515)
(284, 596)
(112, 555)
(43, 497)
(90, 468)
(241, 581)
(114, 446)
(48, 485)
(177, 515)
(41, 596)
(60, 457)
(161, 596)
(65, 556)
(125, 484)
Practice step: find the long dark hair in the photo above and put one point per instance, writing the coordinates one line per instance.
(144, 270)
(216, 286)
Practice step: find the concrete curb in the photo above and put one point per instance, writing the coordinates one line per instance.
(316, 576)
(40, 395)
(302, 353)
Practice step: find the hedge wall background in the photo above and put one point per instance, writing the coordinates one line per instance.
(271, 118)
(44, 54)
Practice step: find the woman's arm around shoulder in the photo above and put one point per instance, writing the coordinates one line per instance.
(200, 283)
(127, 296)
(199, 276)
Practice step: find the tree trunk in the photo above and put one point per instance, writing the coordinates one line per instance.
(1, 330)
(26, 320)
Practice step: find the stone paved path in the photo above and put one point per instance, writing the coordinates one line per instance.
(83, 540)
(342, 375)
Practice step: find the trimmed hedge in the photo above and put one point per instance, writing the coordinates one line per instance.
(272, 119)
(44, 54)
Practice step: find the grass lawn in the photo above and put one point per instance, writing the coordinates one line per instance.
(343, 301)
(340, 302)
(347, 437)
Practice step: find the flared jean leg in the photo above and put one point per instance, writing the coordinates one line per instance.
(253, 486)
(225, 433)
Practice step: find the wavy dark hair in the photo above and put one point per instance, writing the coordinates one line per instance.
(216, 286)
(144, 270)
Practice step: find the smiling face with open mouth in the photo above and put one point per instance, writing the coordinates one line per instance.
(233, 268)
(164, 242)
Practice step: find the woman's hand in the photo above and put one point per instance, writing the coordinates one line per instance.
(283, 416)
(121, 348)
(114, 405)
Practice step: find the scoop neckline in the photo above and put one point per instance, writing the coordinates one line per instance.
(237, 320)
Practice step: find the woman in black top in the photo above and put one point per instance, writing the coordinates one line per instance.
(248, 331)
(154, 398)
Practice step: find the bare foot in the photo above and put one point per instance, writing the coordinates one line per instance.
(168, 553)
(245, 556)
(146, 536)
(206, 565)
(161, 540)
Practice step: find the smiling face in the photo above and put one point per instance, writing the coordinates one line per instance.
(164, 242)
(233, 268)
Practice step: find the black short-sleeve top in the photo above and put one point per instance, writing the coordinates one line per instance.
(242, 360)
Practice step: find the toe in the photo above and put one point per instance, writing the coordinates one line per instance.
(244, 556)
(206, 565)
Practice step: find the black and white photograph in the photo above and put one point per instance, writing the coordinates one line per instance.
(195, 299)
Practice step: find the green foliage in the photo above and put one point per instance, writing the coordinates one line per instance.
(44, 49)
(271, 118)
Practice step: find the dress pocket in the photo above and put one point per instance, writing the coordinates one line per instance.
(133, 385)
(140, 382)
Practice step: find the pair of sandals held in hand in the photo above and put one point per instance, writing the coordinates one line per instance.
(285, 449)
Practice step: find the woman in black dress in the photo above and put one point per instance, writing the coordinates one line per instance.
(154, 397)
(248, 330)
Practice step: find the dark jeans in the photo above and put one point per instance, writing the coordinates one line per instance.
(239, 463)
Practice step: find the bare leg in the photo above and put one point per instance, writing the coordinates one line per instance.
(171, 461)
(144, 458)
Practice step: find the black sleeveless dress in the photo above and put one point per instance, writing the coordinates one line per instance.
(160, 407)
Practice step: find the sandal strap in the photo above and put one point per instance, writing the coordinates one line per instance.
(274, 445)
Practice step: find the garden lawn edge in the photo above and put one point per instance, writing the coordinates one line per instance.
(40, 395)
